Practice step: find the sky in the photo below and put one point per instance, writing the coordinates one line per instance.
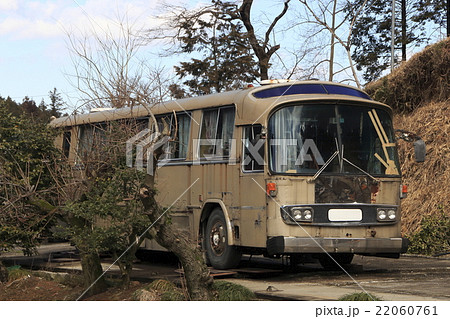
(34, 55)
(34, 50)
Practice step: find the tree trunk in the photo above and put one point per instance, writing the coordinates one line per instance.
(92, 273)
(198, 279)
(352, 66)
(333, 32)
(263, 51)
(263, 70)
(3, 273)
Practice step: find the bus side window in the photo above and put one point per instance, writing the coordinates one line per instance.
(67, 136)
(252, 147)
(217, 132)
(179, 147)
(176, 149)
(92, 140)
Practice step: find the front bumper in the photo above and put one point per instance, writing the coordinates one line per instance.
(286, 245)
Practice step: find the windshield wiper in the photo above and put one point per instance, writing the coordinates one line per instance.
(360, 169)
(341, 160)
(337, 153)
(323, 167)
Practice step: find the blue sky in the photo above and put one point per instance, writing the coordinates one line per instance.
(34, 57)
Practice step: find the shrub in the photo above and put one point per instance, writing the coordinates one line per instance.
(433, 237)
(16, 272)
(360, 296)
(160, 290)
(228, 291)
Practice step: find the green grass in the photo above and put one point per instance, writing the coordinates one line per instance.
(228, 291)
(167, 290)
(360, 296)
(16, 272)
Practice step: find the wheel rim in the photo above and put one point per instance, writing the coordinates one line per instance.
(217, 238)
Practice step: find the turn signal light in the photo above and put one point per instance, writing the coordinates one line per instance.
(403, 191)
(271, 189)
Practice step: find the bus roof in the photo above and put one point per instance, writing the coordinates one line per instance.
(258, 100)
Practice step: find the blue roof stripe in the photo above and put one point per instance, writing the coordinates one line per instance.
(309, 89)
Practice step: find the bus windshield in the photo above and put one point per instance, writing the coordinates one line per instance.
(344, 139)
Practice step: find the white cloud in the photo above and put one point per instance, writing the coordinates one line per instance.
(21, 28)
(9, 5)
(28, 19)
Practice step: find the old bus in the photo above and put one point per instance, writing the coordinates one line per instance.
(304, 168)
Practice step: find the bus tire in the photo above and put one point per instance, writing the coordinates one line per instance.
(328, 263)
(218, 252)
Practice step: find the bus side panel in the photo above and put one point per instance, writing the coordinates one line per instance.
(214, 182)
(253, 213)
(171, 184)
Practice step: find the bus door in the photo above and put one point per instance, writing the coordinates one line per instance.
(252, 203)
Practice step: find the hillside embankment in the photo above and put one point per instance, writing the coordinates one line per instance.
(419, 92)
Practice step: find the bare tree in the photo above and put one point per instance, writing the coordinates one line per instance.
(109, 68)
(110, 73)
(321, 12)
(181, 26)
(262, 48)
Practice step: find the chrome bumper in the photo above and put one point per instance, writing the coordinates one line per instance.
(286, 245)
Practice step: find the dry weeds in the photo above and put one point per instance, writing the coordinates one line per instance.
(428, 182)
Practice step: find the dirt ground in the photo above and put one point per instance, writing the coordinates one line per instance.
(33, 288)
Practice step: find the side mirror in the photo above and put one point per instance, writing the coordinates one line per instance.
(420, 150)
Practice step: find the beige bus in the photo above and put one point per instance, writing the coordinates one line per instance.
(304, 168)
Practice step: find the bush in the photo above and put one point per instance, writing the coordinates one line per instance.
(433, 236)
(228, 291)
(160, 290)
(359, 296)
(422, 79)
(16, 272)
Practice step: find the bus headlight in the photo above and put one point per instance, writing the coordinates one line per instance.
(307, 214)
(392, 214)
(297, 214)
(294, 215)
(381, 214)
(386, 214)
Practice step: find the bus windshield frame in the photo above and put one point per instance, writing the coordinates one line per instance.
(338, 138)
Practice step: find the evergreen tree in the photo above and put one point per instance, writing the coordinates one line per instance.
(26, 149)
(56, 103)
(372, 32)
(226, 62)
(435, 11)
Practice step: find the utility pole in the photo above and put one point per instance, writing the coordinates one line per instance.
(393, 35)
(448, 16)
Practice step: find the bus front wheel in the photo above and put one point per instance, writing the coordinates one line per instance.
(219, 253)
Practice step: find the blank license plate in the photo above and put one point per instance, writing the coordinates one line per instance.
(345, 215)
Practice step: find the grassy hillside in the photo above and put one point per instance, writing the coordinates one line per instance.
(428, 182)
(424, 78)
(419, 92)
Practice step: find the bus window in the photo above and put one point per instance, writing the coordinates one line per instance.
(66, 143)
(179, 147)
(176, 149)
(253, 159)
(217, 132)
(92, 139)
